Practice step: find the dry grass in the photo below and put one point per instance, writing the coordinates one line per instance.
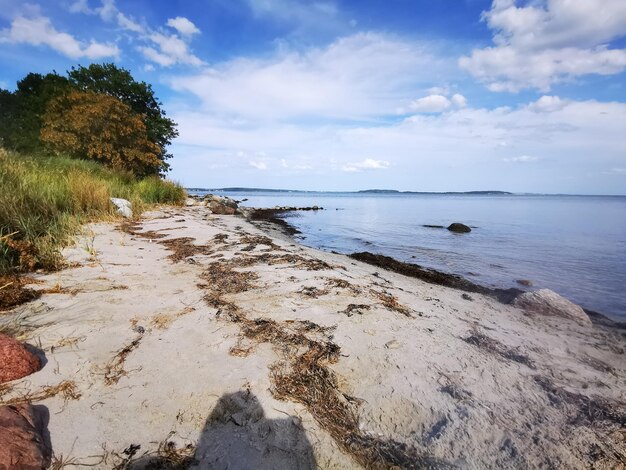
(114, 370)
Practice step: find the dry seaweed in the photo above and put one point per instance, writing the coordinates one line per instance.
(184, 248)
(492, 346)
(391, 302)
(585, 411)
(67, 389)
(13, 292)
(355, 308)
(114, 370)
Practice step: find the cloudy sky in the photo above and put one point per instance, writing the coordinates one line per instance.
(424, 95)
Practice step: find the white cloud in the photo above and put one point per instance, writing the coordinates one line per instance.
(356, 77)
(367, 164)
(80, 6)
(436, 103)
(430, 104)
(521, 159)
(172, 50)
(459, 100)
(617, 171)
(548, 104)
(183, 26)
(39, 31)
(549, 41)
(126, 23)
(259, 165)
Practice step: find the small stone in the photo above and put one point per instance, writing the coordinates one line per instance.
(524, 282)
(467, 297)
(393, 344)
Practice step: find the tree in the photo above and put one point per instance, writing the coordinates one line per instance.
(84, 124)
(21, 111)
(111, 80)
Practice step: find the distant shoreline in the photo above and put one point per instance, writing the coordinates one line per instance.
(391, 192)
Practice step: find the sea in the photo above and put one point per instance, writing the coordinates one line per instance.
(574, 245)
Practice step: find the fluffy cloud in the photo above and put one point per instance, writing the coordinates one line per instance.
(549, 41)
(437, 103)
(357, 77)
(39, 31)
(158, 46)
(367, 164)
(171, 50)
(183, 26)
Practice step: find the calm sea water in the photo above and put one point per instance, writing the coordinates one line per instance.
(574, 245)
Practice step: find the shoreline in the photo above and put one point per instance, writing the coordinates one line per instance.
(505, 295)
(207, 336)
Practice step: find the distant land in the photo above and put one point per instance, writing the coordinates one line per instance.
(364, 191)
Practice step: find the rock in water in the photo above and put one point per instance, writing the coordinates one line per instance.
(22, 442)
(547, 302)
(459, 228)
(15, 360)
(123, 206)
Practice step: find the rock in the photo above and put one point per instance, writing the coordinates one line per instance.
(221, 209)
(547, 302)
(190, 202)
(123, 206)
(457, 227)
(433, 226)
(15, 360)
(524, 282)
(23, 444)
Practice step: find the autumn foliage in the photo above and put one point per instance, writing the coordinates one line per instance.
(100, 127)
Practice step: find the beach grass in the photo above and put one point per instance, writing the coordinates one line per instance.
(45, 200)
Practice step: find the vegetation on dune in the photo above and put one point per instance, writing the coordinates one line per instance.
(44, 201)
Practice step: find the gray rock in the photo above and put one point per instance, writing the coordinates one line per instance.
(547, 302)
(456, 227)
(124, 207)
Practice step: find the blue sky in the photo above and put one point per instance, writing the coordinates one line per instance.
(447, 95)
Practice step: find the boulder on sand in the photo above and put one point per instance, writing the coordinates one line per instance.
(124, 207)
(15, 360)
(222, 205)
(457, 227)
(23, 443)
(547, 302)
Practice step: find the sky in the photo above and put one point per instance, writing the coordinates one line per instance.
(418, 95)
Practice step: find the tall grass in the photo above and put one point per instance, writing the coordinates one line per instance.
(44, 201)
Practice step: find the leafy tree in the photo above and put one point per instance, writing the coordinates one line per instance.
(114, 81)
(21, 111)
(84, 124)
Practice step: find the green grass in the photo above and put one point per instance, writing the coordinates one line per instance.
(45, 200)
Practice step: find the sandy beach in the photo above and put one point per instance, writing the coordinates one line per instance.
(193, 340)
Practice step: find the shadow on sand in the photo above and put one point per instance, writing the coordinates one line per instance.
(237, 435)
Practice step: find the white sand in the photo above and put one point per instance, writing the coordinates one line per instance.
(414, 379)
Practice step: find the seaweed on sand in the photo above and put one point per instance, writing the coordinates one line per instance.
(13, 292)
(114, 370)
(495, 347)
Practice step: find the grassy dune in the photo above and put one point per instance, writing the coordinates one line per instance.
(44, 201)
